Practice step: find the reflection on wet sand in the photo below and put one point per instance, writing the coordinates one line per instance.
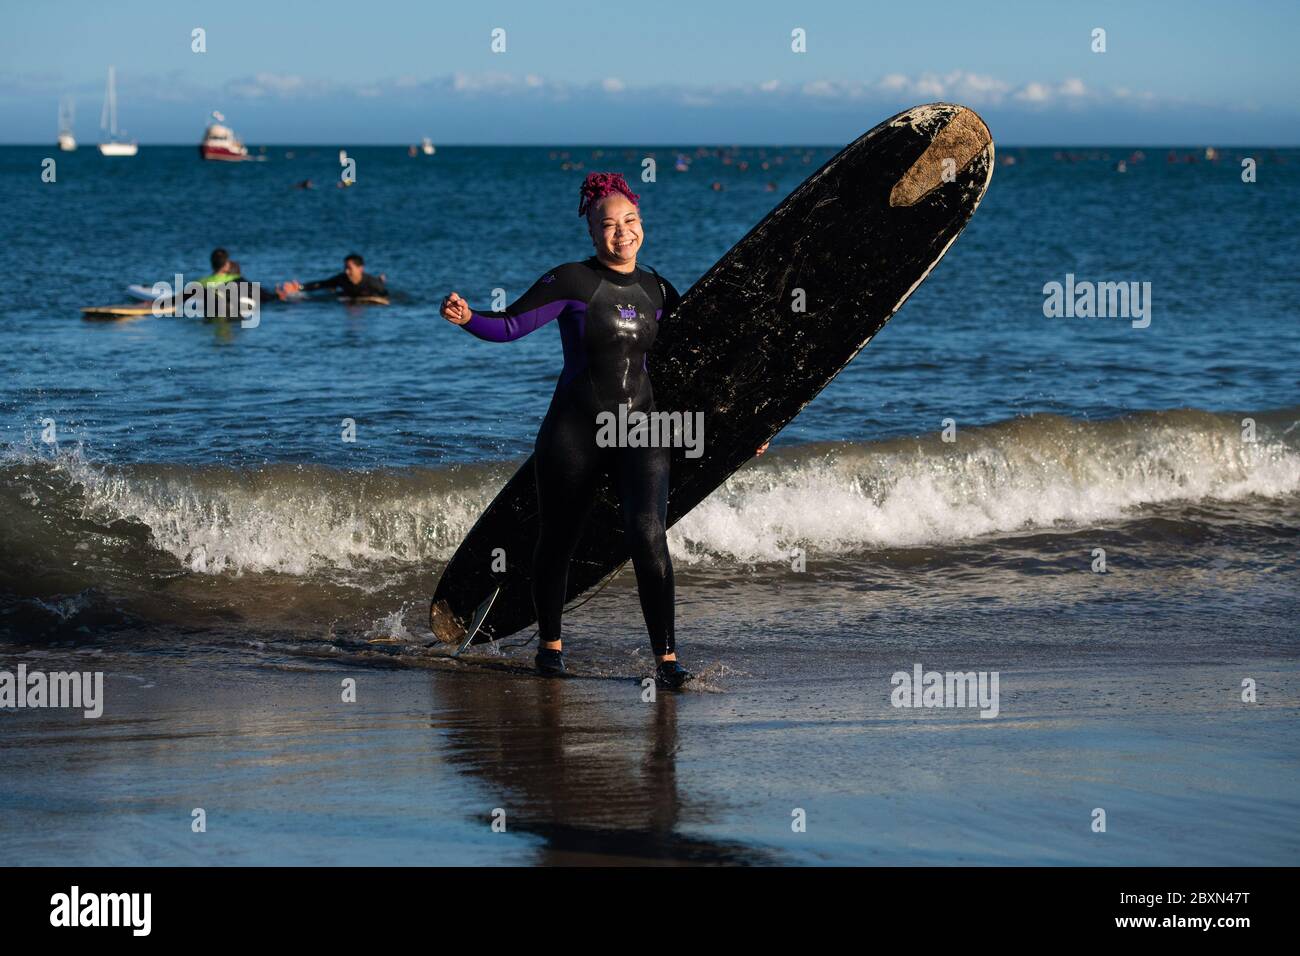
(595, 779)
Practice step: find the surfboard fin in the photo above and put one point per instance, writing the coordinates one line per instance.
(480, 614)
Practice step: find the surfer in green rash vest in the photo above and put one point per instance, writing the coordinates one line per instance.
(224, 269)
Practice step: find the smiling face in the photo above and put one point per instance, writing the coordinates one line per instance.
(616, 229)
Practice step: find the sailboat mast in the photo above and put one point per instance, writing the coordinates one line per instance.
(112, 145)
(103, 114)
(112, 102)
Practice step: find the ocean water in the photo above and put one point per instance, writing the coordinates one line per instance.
(177, 499)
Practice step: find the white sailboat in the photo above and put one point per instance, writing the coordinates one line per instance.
(114, 146)
(67, 142)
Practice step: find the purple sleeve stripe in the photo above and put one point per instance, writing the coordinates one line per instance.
(504, 327)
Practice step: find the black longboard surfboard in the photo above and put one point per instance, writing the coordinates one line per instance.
(857, 237)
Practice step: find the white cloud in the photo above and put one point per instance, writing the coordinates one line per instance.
(978, 90)
(820, 88)
(975, 89)
(929, 86)
(273, 84)
(1073, 87)
(1072, 91)
(484, 82)
(1034, 93)
(974, 86)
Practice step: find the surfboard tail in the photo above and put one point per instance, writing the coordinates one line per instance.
(446, 627)
(450, 630)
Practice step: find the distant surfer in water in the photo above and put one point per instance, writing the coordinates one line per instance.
(351, 283)
(224, 269)
(225, 280)
(608, 311)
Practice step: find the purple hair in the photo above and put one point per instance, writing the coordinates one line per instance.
(599, 185)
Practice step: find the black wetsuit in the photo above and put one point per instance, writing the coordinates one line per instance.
(368, 286)
(607, 321)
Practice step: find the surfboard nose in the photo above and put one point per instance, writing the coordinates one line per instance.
(962, 137)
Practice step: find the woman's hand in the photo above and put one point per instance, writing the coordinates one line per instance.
(455, 309)
(762, 448)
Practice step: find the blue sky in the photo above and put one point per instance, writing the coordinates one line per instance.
(667, 71)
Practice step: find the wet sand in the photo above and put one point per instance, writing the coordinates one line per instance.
(587, 772)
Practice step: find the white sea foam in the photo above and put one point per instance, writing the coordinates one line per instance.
(1038, 473)
(293, 521)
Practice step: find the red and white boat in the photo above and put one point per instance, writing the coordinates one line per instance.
(221, 143)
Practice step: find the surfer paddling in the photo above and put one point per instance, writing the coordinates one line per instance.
(608, 311)
(351, 283)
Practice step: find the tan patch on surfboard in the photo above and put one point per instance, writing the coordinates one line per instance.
(444, 624)
(964, 138)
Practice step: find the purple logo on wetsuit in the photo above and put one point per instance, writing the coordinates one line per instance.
(627, 312)
(549, 278)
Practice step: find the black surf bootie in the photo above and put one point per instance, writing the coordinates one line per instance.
(549, 663)
(672, 675)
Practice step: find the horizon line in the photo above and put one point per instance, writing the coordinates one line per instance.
(339, 144)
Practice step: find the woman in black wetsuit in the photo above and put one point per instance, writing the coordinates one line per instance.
(608, 311)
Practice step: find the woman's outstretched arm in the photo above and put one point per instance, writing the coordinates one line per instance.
(548, 298)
